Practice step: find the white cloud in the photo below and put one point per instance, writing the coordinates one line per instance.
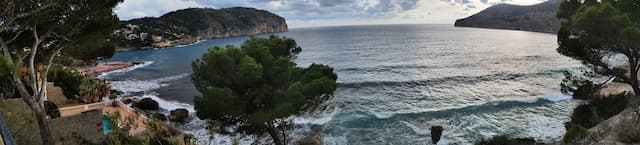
(274, 4)
(304, 13)
(130, 9)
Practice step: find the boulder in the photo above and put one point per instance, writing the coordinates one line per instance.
(436, 133)
(315, 138)
(147, 104)
(179, 115)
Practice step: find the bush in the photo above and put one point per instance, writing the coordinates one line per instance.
(583, 115)
(629, 131)
(503, 140)
(575, 132)
(598, 110)
(610, 106)
(79, 87)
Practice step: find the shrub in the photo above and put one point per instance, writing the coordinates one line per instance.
(598, 110)
(78, 87)
(575, 132)
(629, 131)
(583, 115)
(503, 140)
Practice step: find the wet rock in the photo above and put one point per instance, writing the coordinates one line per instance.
(159, 116)
(315, 138)
(130, 100)
(147, 104)
(179, 115)
(436, 134)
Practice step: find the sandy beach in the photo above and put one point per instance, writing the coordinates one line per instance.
(104, 67)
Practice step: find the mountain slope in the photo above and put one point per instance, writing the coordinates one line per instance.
(538, 18)
(189, 25)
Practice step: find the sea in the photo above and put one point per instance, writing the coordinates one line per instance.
(394, 83)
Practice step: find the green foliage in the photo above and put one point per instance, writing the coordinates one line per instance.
(595, 32)
(258, 83)
(2, 101)
(503, 140)
(575, 133)
(629, 130)
(5, 66)
(68, 80)
(76, 86)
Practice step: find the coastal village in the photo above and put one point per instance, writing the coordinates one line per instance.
(133, 37)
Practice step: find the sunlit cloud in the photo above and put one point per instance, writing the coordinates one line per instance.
(301, 13)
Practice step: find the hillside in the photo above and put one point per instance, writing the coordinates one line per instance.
(537, 18)
(189, 25)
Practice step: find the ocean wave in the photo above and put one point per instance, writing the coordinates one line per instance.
(456, 79)
(132, 86)
(385, 68)
(132, 68)
(492, 106)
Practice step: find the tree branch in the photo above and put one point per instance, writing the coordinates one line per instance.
(46, 72)
(34, 51)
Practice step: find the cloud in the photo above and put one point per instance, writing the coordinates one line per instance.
(336, 12)
(144, 8)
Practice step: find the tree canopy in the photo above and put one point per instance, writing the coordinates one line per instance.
(600, 34)
(34, 32)
(258, 85)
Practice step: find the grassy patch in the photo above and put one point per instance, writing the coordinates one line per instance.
(575, 132)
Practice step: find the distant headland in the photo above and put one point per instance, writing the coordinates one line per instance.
(187, 26)
(537, 18)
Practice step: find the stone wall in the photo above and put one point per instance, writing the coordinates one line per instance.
(67, 130)
(85, 126)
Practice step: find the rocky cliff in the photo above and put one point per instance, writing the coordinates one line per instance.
(537, 18)
(189, 25)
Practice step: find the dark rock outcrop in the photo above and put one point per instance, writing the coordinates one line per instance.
(537, 18)
(436, 134)
(189, 25)
(147, 104)
(179, 115)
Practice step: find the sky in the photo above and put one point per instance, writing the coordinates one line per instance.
(310, 13)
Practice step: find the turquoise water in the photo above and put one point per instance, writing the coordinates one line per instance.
(396, 81)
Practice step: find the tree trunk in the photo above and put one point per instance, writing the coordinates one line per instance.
(275, 135)
(41, 116)
(634, 81)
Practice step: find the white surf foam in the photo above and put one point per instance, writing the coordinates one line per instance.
(317, 119)
(197, 42)
(132, 86)
(558, 98)
(134, 67)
